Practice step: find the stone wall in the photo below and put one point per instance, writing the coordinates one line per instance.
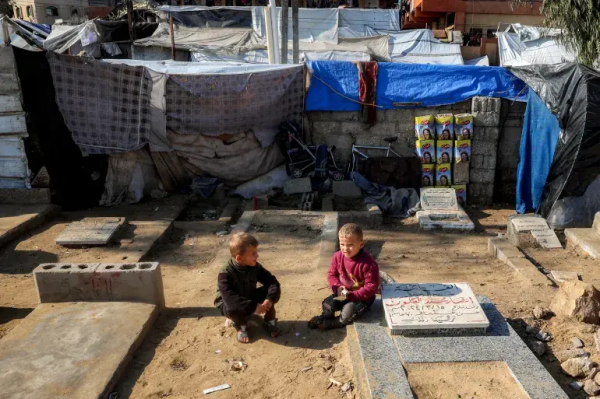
(342, 129)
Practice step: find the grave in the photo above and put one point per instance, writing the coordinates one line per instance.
(561, 276)
(432, 309)
(588, 240)
(90, 231)
(531, 231)
(441, 211)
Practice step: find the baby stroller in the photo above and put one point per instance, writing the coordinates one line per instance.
(304, 159)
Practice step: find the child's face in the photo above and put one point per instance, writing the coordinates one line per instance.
(248, 258)
(350, 246)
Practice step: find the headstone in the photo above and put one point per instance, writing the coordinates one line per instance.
(561, 276)
(297, 186)
(90, 231)
(432, 309)
(530, 231)
(438, 198)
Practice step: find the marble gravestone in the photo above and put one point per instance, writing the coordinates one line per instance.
(438, 198)
(432, 309)
(530, 231)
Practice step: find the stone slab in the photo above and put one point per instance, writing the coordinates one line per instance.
(528, 271)
(530, 231)
(426, 308)
(547, 239)
(596, 223)
(16, 220)
(560, 276)
(346, 189)
(502, 249)
(90, 231)
(69, 282)
(23, 196)
(445, 220)
(523, 223)
(586, 239)
(72, 350)
(438, 199)
(297, 186)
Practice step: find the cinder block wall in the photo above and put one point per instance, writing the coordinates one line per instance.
(511, 122)
(342, 129)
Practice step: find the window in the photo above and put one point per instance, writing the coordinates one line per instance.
(51, 11)
(29, 11)
(18, 12)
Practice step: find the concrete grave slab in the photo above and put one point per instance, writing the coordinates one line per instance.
(16, 220)
(90, 231)
(439, 198)
(72, 350)
(586, 239)
(457, 220)
(428, 309)
(531, 231)
(385, 379)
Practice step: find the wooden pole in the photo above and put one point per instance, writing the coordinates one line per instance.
(295, 36)
(284, 31)
(130, 25)
(172, 37)
(274, 31)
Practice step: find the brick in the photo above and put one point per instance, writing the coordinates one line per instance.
(352, 116)
(485, 119)
(297, 186)
(482, 175)
(319, 116)
(461, 173)
(494, 104)
(352, 128)
(483, 161)
(327, 128)
(382, 129)
(346, 189)
(339, 140)
(477, 160)
(483, 148)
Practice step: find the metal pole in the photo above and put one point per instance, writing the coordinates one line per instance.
(274, 31)
(284, 31)
(295, 38)
(172, 37)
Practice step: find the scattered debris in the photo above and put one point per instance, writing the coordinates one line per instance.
(540, 312)
(567, 354)
(576, 385)
(336, 383)
(543, 336)
(347, 387)
(329, 385)
(216, 389)
(179, 364)
(222, 233)
(593, 373)
(238, 365)
(218, 351)
(538, 348)
(577, 343)
(304, 370)
(530, 330)
(578, 300)
(591, 388)
(578, 366)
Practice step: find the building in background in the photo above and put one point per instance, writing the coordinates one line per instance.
(48, 11)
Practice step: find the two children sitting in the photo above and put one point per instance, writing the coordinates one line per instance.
(353, 278)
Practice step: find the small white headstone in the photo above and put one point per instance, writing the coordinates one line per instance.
(562, 276)
(526, 231)
(529, 223)
(546, 238)
(438, 198)
(432, 307)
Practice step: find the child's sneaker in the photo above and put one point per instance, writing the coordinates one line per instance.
(272, 328)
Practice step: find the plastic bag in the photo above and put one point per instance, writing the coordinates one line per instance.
(572, 212)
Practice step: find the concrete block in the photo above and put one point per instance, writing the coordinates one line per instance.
(480, 193)
(327, 128)
(327, 203)
(479, 161)
(482, 175)
(352, 128)
(346, 189)
(513, 121)
(351, 116)
(586, 239)
(24, 196)
(297, 186)
(461, 173)
(134, 282)
(382, 129)
(502, 249)
(483, 148)
(489, 134)
(404, 116)
(486, 119)
(531, 231)
(596, 223)
(529, 271)
(64, 282)
(463, 107)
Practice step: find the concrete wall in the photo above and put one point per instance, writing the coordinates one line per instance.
(65, 9)
(342, 129)
(508, 151)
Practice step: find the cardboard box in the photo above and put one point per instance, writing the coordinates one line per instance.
(444, 151)
(443, 174)
(463, 126)
(461, 194)
(426, 151)
(427, 175)
(424, 127)
(462, 151)
(444, 126)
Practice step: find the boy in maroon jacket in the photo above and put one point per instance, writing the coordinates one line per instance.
(353, 278)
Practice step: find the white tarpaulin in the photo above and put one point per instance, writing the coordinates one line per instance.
(481, 61)
(529, 45)
(418, 46)
(262, 56)
(385, 21)
(314, 24)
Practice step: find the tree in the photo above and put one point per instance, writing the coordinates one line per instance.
(579, 21)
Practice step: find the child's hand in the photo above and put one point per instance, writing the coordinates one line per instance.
(260, 309)
(342, 291)
(267, 305)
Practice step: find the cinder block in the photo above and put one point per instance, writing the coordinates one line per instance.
(129, 282)
(483, 161)
(64, 282)
(485, 119)
(404, 116)
(73, 282)
(502, 249)
(482, 175)
(318, 116)
(346, 189)
(480, 194)
(350, 116)
(327, 128)
(513, 121)
(382, 129)
(489, 134)
(477, 160)
(297, 186)
(461, 173)
(483, 148)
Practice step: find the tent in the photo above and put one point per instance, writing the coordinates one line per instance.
(568, 197)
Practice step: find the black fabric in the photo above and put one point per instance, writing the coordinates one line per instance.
(572, 92)
(236, 288)
(116, 31)
(77, 181)
(392, 171)
(218, 18)
(240, 317)
(350, 311)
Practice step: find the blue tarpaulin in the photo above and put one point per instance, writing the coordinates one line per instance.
(334, 85)
(538, 141)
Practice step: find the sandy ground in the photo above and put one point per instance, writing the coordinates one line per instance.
(470, 380)
(189, 349)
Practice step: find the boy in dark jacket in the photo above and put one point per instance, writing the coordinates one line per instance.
(237, 296)
(353, 278)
